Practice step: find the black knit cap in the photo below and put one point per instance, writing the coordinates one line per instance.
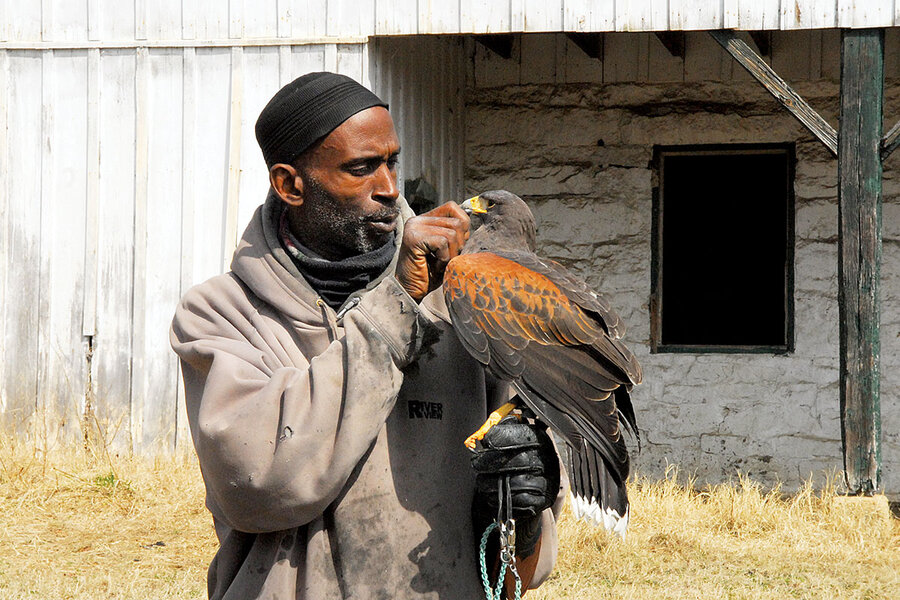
(307, 109)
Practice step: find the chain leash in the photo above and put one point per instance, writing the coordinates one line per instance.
(507, 526)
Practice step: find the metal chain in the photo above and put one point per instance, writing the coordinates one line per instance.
(507, 527)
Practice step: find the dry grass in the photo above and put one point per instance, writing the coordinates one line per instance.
(733, 541)
(81, 527)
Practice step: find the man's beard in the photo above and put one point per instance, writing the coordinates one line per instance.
(334, 230)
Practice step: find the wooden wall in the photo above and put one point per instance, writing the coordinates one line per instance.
(210, 20)
(127, 175)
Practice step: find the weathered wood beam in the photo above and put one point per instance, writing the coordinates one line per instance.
(590, 43)
(673, 42)
(859, 249)
(777, 86)
(890, 141)
(498, 43)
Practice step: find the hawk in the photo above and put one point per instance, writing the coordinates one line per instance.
(534, 324)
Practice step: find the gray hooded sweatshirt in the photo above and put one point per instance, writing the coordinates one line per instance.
(331, 442)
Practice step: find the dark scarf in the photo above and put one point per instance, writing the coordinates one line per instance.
(335, 280)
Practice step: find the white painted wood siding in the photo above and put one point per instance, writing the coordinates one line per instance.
(126, 176)
(260, 21)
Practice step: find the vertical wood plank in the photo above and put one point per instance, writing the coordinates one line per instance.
(285, 18)
(588, 15)
(183, 441)
(163, 216)
(331, 57)
(61, 355)
(116, 20)
(436, 16)
(254, 177)
(235, 18)
(815, 15)
(163, 19)
(189, 18)
(307, 59)
(261, 19)
(752, 14)
(396, 17)
(89, 318)
(112, 345)
(476, 16)
(695, 14)
(140, 19)
(234, 155)
(856, 13)
(5, 187)
(543, 15)
(22, 203)
(350, 17)
(285, 64)
(139, 279)
(859, 248)
(46, 20)
(23, 21)
(349, 61)
(641, 15)
(213, 19)
(93, 18)
(65, 20)
(310, 18)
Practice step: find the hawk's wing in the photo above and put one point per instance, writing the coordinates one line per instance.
(531, 322)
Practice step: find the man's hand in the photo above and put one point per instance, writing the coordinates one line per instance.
(430, 240)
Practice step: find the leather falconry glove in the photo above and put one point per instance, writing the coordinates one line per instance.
(524, 452)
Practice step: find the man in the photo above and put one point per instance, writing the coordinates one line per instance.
(328, 399)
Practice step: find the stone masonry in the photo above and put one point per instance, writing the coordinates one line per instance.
(580, 154)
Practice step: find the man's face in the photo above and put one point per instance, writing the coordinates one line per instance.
(350, 188)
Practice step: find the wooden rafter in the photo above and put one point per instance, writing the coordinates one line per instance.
(777, 86)
(590, 43)
(673, 42)
(763, 41)
(498, 43)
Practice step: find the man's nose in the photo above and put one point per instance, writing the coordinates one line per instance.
(386, 189)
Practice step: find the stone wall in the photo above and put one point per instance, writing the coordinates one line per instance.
(580, 154)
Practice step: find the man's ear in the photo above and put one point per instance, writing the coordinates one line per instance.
(287, 183)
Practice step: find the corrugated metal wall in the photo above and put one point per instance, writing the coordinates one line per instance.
(127, 174)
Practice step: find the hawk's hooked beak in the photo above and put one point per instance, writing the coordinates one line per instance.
(475, 205)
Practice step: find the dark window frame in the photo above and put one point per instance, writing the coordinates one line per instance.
(660, 153)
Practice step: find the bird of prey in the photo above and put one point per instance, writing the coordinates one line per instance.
(532, 323)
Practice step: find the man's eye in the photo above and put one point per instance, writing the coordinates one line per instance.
(393, 162)
(361, 170)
